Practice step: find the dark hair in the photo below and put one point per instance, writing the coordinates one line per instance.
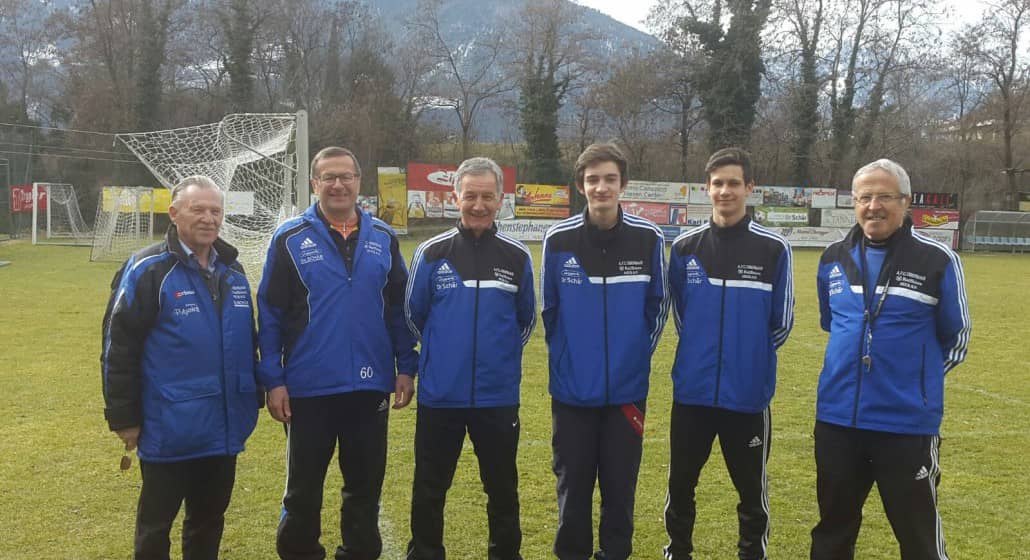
(331, 152)
(599, 153)
(730, 156)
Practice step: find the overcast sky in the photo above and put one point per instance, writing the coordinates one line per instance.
(633, 12)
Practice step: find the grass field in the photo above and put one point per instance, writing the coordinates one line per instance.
(64, 497)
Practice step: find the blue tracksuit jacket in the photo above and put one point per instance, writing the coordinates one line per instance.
(471, 303)
(324, 329)
(890, 344)
(733, 296)
(605, 303)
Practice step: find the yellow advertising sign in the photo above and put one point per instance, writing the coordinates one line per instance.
(541, 212)
(158, 197)
(393, 200)
(541, 195)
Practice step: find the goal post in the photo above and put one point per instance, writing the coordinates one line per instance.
(56, 215)
(124, 223)
(259, 160)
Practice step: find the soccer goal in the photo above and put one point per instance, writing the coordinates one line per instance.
(56, 218)
(258, 160)
(124, 223)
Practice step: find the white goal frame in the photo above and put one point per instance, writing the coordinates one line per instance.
(76, 231)
(259, 160)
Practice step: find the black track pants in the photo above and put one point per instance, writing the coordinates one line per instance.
(439, 435)
(205, 485)
(357, 422)
(744, 440)
(906, 471)
(603, 444)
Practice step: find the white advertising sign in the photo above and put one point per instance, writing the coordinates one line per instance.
(652, 191)
(525, 230)
(824, 198)
(948, 236)
(755, 198)
(811, 236)
(699, 194)
(239, 203)
(837, 218)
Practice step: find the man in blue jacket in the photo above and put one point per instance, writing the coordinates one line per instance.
(469, 377)
(733, 292)
(894, 303)
(333, 337)
(178, 372)
(604, 307)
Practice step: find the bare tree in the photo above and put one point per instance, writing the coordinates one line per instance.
(998, 52)
(627, 99)
(469, 75)
(805, 20)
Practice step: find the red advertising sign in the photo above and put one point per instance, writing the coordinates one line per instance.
(21, 198)
(436, 177)
(935, 200)
(934, 218)
(656, 212)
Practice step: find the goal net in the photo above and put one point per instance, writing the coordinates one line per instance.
(58, 220)
(124, 223)
(252, 157)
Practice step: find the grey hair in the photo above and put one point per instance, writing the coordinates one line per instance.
(479, 166)
(201, 181)
(891, 168)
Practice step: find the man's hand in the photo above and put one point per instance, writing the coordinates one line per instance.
(130, 436)
(404, 389)
(279, 404)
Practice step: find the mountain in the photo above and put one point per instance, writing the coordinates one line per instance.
(464, 22)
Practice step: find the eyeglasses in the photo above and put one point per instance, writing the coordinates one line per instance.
(883, 199)
(345, 178)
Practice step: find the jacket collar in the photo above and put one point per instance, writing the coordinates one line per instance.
(226, 253)
(602, 237)
(735, 229)
(856, 236)
(467, 233)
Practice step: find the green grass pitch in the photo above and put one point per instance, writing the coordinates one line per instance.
(64, 497)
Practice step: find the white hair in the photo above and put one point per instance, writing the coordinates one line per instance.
(201, 181)
(892, 169)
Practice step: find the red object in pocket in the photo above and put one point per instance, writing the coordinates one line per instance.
(635, 417)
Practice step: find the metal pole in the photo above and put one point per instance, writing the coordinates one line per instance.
(302, 186)
(35, 210)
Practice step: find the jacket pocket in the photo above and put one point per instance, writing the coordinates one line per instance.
(192, 417)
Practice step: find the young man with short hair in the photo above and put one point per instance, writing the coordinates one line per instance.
(604, 308)
(733, 291)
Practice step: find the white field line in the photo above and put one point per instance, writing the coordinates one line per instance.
(988, 394)
(392, 547)
(786, 437)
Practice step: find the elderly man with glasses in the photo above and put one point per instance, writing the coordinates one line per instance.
(334, 345)
(894, 303)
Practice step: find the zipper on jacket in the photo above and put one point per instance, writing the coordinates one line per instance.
(722, 316)
(604, 301)
(922, 375)
(221, 338)
(475, 320)
(861, 365)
